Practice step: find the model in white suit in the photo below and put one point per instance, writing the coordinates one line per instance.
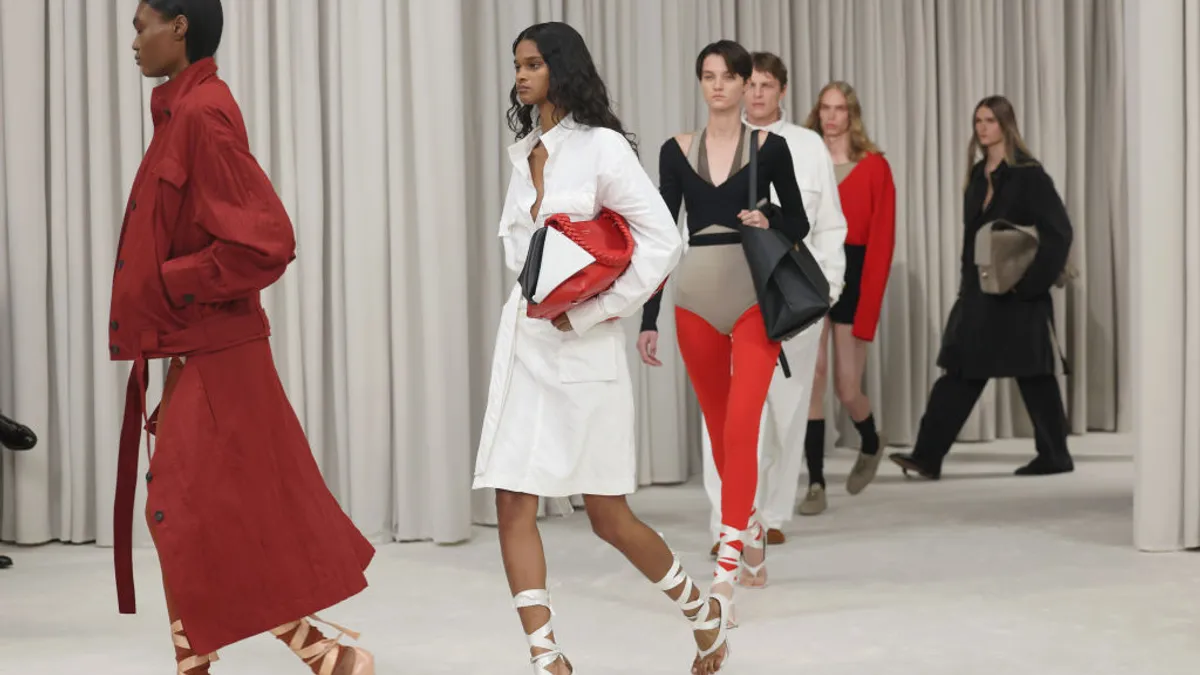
(781, 442)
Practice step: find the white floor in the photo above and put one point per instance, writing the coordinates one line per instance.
(980, 574)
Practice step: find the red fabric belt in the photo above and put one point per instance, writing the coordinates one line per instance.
(213, 335)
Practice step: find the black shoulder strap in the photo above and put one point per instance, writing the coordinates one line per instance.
(753, 170)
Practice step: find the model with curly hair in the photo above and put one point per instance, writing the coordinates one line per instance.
(560, 418)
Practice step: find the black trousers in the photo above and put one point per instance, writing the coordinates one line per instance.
(953, 398)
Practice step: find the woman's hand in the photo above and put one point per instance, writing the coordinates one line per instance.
(754, 218)
(647, 346)
(562, 323)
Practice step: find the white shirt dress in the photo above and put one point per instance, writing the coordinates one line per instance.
(560, 412)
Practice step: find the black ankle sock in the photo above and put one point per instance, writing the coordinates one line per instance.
(814, 452)
(870, 438)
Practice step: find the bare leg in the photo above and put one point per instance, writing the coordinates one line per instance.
(849, 364)
(816, 402)
(525, 561)
(850, 361)
(614, 522)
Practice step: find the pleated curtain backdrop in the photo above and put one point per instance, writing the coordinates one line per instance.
(381, 123)
(1164, 329)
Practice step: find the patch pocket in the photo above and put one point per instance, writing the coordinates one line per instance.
(169, 191)
(591, 358)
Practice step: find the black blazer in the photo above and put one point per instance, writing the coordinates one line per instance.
(990, 336)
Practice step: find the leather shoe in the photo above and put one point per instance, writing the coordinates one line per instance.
(1040, 467)
(5, 562)
(14, 435)
(906, 462)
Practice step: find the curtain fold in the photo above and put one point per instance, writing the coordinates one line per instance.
(1191, 252)
(1164, 288)
(381, 124)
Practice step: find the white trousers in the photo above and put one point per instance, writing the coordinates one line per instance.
(780, 438)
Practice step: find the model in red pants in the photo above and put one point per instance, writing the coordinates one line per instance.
(722, 338)
(731, 374)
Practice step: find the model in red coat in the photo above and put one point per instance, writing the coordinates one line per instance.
(869, 203)
(249, 537)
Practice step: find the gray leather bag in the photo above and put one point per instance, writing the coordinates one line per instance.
(1003, 253)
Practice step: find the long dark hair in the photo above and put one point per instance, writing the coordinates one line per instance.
(206, 21)
(575, 85)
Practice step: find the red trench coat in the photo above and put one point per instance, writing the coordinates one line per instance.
(248, 535)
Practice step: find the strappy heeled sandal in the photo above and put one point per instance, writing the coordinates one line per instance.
(755, 537)
(700, 620)
(540, 638)
(195, 660)
(326, 650)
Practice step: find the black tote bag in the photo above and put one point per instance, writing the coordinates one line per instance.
(792, 291)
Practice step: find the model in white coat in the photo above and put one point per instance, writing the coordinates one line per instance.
(781, 443)
(560, 413)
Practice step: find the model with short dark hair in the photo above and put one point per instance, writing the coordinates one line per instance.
(721, 333)
(785, 421)
(249, 538)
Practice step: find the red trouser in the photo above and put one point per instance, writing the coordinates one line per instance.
(731, 375)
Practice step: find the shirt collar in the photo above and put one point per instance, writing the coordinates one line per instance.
(773, 126)
(518, 153)
(166, 95)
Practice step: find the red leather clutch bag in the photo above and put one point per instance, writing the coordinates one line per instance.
(606, 238)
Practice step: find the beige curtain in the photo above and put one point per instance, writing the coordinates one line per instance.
(381, 123)
(1163, 72)
(920, 67)
(350, 113)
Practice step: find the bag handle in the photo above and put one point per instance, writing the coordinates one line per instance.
(783, 362)
(753, 169)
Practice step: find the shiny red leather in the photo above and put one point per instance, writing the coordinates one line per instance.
(608, 239)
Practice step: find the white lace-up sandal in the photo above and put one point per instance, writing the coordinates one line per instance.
(700, 620)
(540, 638)
(755, 537)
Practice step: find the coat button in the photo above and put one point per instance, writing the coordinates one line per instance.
(114, 325)
(188, 298)
(114, 350)
(120, 264)
(158, 516)
(149, 476)
(133, 205)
